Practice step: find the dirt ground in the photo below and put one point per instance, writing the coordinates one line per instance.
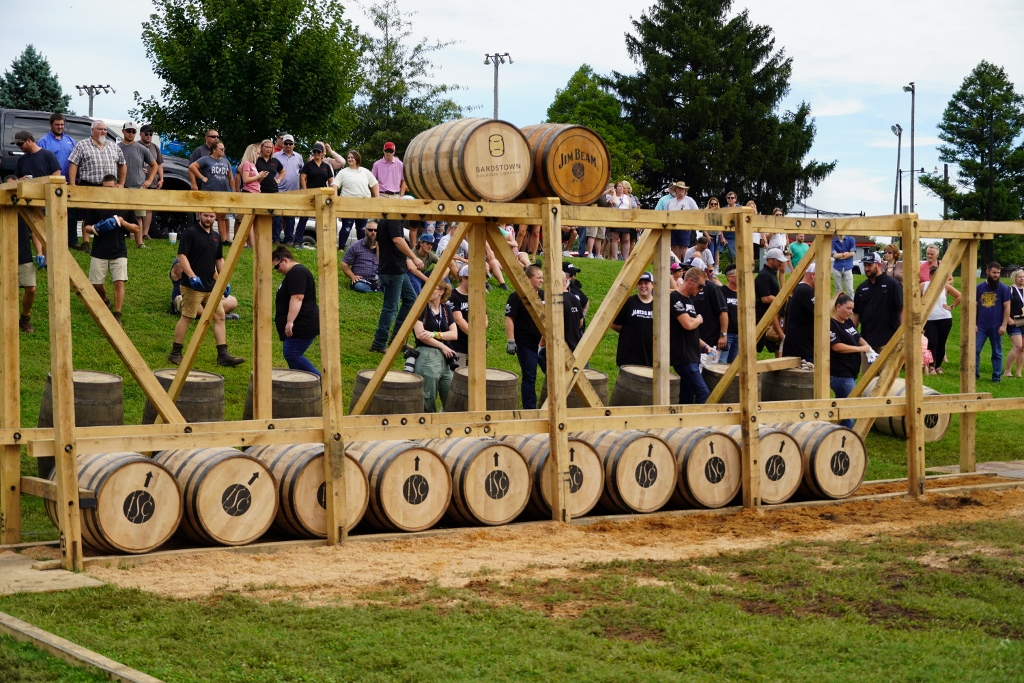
(338, 575)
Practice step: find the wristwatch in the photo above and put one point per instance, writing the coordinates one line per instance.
(722, 334)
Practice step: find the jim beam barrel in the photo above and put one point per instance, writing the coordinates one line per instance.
(569, 162)
(935, 424)
(99, 402)
(491, 480)
(138, 502)
(639, 469)
(834, 458)
(230, 497)
(302, 488)
(708, 466)
(469, 159)
(586, 474)
(779, 461)
(410, 487)
(201, 398)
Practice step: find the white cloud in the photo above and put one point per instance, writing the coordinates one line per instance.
(829, 107)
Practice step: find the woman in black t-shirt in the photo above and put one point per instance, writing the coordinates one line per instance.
(435, 327)
(297, 316)
(846, 346)
(314, 173)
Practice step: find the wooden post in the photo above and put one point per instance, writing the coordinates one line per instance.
(263, 320)
(968, 349)
(747, 326)
(662, 321)
(477, 316)
(822, 314)
(10, 378)
(913, 327)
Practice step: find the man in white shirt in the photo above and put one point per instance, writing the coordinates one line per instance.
(680, 202)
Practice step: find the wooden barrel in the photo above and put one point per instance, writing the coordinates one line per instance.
(635, 386)
(401, 393)
(598, 380)
(410, 487)
(302, 489)
(569, 162)
(780, 462)
(99, 402)
(639, 469)
(713, 375)
(138, 502)
(469, 159)
(490, 480)
(502, 391)
(793, 384)
(708, 466)
(201, 398)
(230, 497)
(294, 393)
(833, 456)
(586, 474)
(935, 424)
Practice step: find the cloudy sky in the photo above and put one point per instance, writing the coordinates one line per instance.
(850, 62)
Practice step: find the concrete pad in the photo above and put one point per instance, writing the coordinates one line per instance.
(17, 576)
(1013, 469)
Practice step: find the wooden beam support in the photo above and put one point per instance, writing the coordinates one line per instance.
(662, 320)
(820, 251)
(783, 363)
(477, 398)
(968, 351)
(46, 488)
(10, 378)
(263, 319)
(913, 325)
(746, 363)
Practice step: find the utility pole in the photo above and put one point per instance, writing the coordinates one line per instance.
(498, 58)
(913, 101)
(92, 91)
(897, 195)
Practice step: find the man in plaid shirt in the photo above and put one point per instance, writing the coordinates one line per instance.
(94, 158)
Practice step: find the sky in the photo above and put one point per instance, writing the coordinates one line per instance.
(850, 63)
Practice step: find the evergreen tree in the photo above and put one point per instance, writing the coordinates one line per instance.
(706, 96)
(30, 85)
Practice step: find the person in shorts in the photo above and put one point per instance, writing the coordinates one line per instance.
(27, 269)
(109, 250)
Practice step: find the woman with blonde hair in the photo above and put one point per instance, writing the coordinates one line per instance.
(1015, 328)
(891, 261)
(624, 199)
(940, 322)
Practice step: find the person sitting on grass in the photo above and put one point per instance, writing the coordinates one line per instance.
(361, 262)
(109, 251)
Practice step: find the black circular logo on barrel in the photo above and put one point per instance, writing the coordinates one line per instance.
(646, 474)
(139, 507)
(575, 478)
(236, 500)
(714, 469)
(321, 495)
(415, 489)
(930, 420)
(840, 463)
(496, 485)
(775, 468)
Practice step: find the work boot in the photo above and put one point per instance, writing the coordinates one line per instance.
(226, 359)
(25, 323)
(175, 356)
(117, 317)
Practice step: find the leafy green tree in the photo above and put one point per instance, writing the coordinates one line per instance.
(585, 101)
(252, 68)
(30, 85)
(982, 128)
(706, 94)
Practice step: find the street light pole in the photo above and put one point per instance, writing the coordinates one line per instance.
(92, 91)
(897, 130)
(498, 58)
(913, 101)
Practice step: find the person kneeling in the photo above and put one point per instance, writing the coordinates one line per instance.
(436, 359)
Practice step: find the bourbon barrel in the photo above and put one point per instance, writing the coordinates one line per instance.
(99, 402)
(639, 469)
(502, 391)
(201, 398)
(834, 458)
(635, 386)
(935, 424)
(598, 380)
(401, 393)
(779, 460)
(708, 466)
(293, 393)
(586, 475)
(569, 162)
(791, 384)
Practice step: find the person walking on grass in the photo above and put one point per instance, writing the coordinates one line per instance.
(296, 315)
(846, 349)
(993, 299)
(394, 250)
(27, 269)
(1016, 325)
(109, 251)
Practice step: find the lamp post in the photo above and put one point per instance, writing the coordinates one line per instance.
(92, 91)
(498, 58)
(913, 101)
(897, 198)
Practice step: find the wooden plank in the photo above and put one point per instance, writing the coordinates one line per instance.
(914, 315)
(645, 218)
(783, 363)
(820, 251)
(746, 362)
(968, 351)
(477, 398)
(264, 329)
(10, 378)
(287, 203)
(46, 488)
(662, 320)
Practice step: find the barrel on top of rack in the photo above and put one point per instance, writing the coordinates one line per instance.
(99, 402)
(639, 469)
(502, 391)
(469, 159)
(598, 380)
(400, 393)
(201, 398)
(410, 487)
(635, 386)
(569, 162)
(490, 480)
(302, 488)
(586, 474)
(708, 465)
(779, 460)
(935, 424)
(138, 502)
(791, 384)
(230, 497)
(293, 393)
(834, 458)
(714, 373)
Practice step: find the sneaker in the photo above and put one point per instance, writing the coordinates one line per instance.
(83, 246)
(310, 247)
(226, 243)
(175, 357)
(232, 316)
(997, 380)
(377, 349)
(25, 324)
(142, 246)
(228, 361)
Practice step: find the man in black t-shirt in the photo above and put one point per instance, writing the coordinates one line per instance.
(877, 304)
(800, 319)
(635, 325)
(523, 338)
(27, 270)
(766, 288)
(459, 301)
(684, 337)
(109, 253)
(712, 307)
(572, 321)
(732, 300)
(394, 250)
(34, 162)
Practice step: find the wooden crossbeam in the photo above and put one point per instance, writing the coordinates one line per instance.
(46, 488)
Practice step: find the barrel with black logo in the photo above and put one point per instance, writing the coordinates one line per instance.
(569, 162)
(302, 488)
(586, 475)
(400, 393)
(598, 380)
(708, 466)
(502, 391)
(230, 497)
(491, 480)
(639, 469)
(294, 393)
(99, 402)
(635, 386)
(138, 502)
(834, 458)
(779, 460)
(201, 398)
(935, 424)
(410, 487)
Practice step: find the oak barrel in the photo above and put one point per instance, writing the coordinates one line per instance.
(99, 402)
(639, 469)
(935, 424)
(410, 487)
(708, 466)
(598, 380)
(569, 162)
(834, 457)
(230, 497)
(138, 502)
(779, 460)
(713, 375)
(502, 391)
(201, 398)
(490, 480)
(791, 384)
(469, 159)
(401, 393)
(302, 489)
(635, 386)
(586, 474)
(294, 393)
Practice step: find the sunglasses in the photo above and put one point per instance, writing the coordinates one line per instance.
(277, 266)
(129, 130)
(370, 230)
(288, 144)
(213, 137)
(146, 132)
(389, 151)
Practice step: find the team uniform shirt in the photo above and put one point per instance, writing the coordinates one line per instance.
(460, 302)
(572, 314)
(292, 164)
(437, 322)
(61, 148)
(389, 175)
(355, 182)
(878, 307)
(392, 261)
(732, 302)
(317, 176)
(273, 168)
(526, 332)
(636, 339)
(217, 172)
(108, 245)
(710, 302)
(844, 364)
(575, 288)
(765, 284)
(139, 158)
(203, 250)
(38, 165)
(298, 280)
(797, 250)
(800, 323)
(990, 304)
(95, 161)
(684, 345)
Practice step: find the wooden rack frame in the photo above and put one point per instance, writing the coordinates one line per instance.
(477, 223)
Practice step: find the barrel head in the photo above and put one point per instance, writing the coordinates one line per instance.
(308, 495)
(138, 506)
(781, 465)
(415, 489)
(586, 478)
(237, 500)
(709, 465)
(839, 463)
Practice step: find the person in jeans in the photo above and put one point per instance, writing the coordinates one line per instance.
(361, 262)
(940, 321)
(435, 327)
(296, 315)
(732, 334)
(846, 349)
(523, 338)
(844, 247)
(394, 250)
(684, 338)
(993, 316)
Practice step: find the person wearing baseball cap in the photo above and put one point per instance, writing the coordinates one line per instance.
(635, 325)
(389, 172)
(800, 318)
(766, 288)
(142, 168)
(424, 249)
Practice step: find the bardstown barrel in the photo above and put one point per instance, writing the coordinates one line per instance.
(635, 386)
(935, 424)
(569, 162)
(401, 393)
(834, 458)
(598, 380)
(294, 393)
(490, 480)
(502, 391)
(410, 487)
(791, 384)
(138, 502)
(708, 465)
(230, 497)
(99, 402)
(201, 398)
(639, 469)
(302, 489)
(586, 475)
(780, 461)
(469, 159)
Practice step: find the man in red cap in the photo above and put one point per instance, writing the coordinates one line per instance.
(389, 173)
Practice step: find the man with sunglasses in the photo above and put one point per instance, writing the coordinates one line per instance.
(203, 150)
(141, 168)
(146, 140)
(389, 172)
(292, 164)
(34, 162)
(61, 144)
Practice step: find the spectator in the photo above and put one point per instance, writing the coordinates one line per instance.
(142, 168)
(35, 161)
(766, 288)
(494, 268)
(715, 239)
(800, 329)
(931, 260)
(288, 182)
(109, 253)
(523, 338)
(572, 321)
(355, 181)
(728, 237)
(731, 293)
(249, 177)
(878, 304)
(315, 173)
(271, 173)
(176, 274)
(759, 239)
(418, 277)
(296, 314)
(709, 300)
(891, 261)
(940, 322)
(846, 347)
(203, 150)
(393, 251)
(93, 159)
(844, 248)
(1016, 324)
(993, 299)
(146, 140)
(701, 250)
(435, 327)
(797, 250)
(389, 172)
(460, 311)
(27, 270)
(509, 233)
(361, 262)
(62, 144)
(684, 335)
(624, 200)
(577, 288)
(215, 175)
(635, 325)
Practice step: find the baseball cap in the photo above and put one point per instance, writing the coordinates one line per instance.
(698, 262)
(146, 128)
(318, 147)
(464, 272)
(21, 136)
(811, 268)
(647, 277)
(130, 125)
(871, 257)
(427, 237)
(287, 138)
(389, 145)
(776, 254)
(570, 268)
(675, 267)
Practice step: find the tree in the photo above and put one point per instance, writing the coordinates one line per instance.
(585, 101)
(706, 96)
(982, 128)
(399, 100)
(30, 85)
(251, 69)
